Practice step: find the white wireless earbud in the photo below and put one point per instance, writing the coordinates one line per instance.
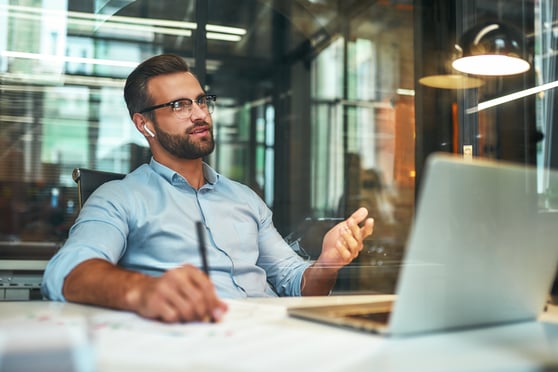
(148, 130)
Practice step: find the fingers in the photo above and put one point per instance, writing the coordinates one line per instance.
(183, 294)
(358, 217)
(367, 229)
(192, 296)
(347, 250)
(350, 243)
(352, 234)
(344, 242)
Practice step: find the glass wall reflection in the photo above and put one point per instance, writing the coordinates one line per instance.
(315, 109)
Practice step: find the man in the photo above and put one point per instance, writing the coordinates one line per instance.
(134, 245)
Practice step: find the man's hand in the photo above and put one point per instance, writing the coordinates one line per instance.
(340, 246)
(180, 295)
(344, 241)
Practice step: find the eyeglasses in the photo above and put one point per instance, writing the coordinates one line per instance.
(182, 107)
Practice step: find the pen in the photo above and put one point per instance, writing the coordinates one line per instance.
(203, 255)
(203, 250)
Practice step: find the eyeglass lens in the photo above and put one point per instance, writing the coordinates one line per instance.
(183, 107)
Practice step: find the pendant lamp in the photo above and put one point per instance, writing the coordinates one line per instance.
(491, 49)
(451, 81)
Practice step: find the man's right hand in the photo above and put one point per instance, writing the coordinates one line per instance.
(179, 295)
(183, 294)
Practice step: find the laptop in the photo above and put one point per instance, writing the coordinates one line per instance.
(482, 251)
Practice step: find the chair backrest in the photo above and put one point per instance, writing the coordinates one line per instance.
(89, 179)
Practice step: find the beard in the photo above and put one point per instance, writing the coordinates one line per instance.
(181, 146)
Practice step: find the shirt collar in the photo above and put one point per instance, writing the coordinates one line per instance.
(211, 176)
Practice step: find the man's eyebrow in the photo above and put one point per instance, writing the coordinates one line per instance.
(191, 99)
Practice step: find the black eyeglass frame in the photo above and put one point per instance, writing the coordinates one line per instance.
(172, 104)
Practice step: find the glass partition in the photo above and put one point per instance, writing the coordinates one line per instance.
(319, 106)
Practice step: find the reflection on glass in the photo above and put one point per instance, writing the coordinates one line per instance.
(317, 118)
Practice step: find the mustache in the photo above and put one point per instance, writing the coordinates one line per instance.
(200, 124)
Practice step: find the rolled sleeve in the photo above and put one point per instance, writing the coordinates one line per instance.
(83, 243)
(283, 266)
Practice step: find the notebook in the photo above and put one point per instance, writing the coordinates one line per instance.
(483, 250)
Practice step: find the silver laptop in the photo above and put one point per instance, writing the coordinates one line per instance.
(483, 250)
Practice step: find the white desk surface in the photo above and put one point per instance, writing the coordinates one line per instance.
(257, 335)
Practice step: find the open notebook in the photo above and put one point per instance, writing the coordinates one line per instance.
(483, 250)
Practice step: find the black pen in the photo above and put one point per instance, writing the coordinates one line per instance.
(203, 255)
(203, 249)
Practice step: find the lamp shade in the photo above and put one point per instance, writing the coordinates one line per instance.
(491, 49)
(451, 81)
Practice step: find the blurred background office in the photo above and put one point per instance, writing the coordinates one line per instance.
(323, 105)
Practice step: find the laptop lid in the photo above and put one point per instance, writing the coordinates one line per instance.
(482, 250)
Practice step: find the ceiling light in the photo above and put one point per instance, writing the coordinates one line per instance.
(451, 81)
(491, 49)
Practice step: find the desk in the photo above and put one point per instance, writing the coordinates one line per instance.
(257, 335)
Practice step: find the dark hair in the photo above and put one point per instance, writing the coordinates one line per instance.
(136, 94)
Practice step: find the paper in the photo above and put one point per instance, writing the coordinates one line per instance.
(252, 337)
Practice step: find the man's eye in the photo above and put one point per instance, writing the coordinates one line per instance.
(181, 105)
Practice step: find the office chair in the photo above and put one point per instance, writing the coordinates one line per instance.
(89, 179)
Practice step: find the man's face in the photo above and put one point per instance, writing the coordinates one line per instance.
(183, 136)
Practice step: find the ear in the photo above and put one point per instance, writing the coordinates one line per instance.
(139, 121)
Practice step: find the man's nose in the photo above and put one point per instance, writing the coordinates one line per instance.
(197, 111)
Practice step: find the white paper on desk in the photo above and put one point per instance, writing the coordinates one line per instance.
(240, 316)
(252, 337)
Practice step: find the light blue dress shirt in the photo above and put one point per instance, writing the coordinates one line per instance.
(146, 222)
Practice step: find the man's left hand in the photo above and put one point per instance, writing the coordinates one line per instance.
(344, 241)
